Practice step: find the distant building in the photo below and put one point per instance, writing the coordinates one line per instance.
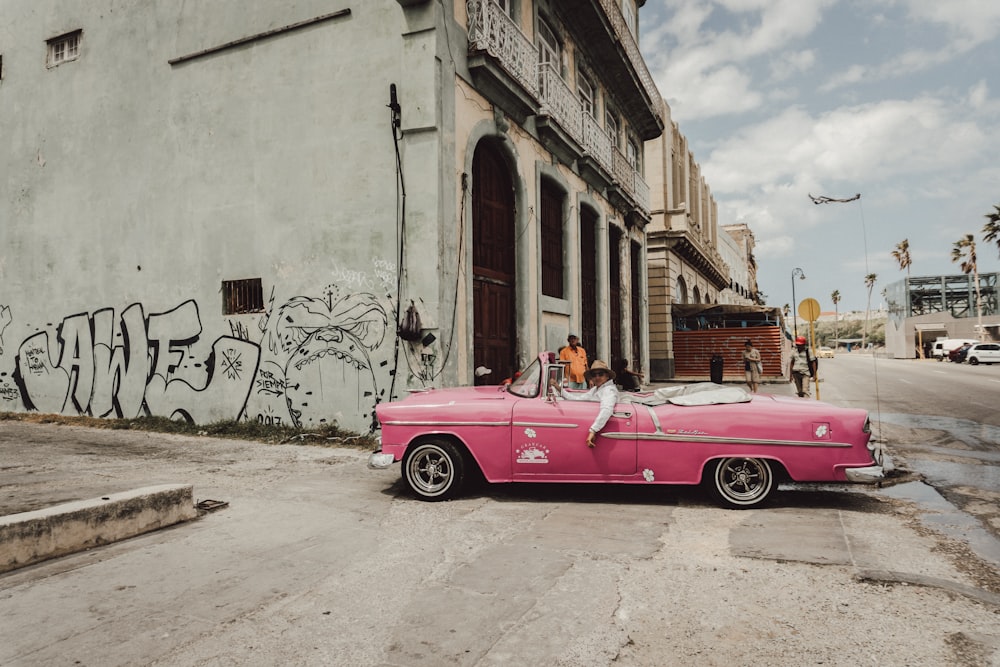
(922, 309)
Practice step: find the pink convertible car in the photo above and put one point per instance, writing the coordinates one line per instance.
(737, 445)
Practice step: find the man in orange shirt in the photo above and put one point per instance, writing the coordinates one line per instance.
(577, 358)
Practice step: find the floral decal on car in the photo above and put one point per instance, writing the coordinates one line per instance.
(647, 474)
(532, 454)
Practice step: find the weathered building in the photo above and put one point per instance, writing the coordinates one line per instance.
(685, 265)
(224, 210)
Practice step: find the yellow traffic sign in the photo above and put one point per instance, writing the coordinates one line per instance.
(809, 310)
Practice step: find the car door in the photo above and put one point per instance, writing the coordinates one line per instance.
(549, 441)
(988, 353)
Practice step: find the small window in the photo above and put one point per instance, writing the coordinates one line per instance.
(242, 296)
(507, 6)
(629, 14)
(587, 95)
(64, 48)
(611, 124)
(632, 154)
(549, 49)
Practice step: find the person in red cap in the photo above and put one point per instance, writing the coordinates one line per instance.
(802, 366)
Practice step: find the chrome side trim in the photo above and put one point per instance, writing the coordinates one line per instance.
(439, 423)
(545, 425)
(668, 437)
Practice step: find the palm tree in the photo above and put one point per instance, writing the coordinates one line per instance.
(835, 297)
(869, 283)
(902, 255)
(964, 251)
(991, 230)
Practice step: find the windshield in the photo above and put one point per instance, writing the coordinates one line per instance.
(526, 386)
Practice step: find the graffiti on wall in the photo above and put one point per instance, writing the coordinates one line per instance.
(103, 366)
(322, 357)
(309, 360)
(5, 320)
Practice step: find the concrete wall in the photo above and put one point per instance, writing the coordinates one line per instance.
(133, 187)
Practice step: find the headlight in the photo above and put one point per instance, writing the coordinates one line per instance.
(867, 428)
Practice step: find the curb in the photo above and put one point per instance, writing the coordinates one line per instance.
(31, 537)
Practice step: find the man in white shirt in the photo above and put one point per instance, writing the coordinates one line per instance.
(603, 389)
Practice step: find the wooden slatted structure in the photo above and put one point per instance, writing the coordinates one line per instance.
(693, 352)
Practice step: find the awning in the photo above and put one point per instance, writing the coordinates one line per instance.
(936, 326)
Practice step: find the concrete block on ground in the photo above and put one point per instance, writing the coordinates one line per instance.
(31, 537)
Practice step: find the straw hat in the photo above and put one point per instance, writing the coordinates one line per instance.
(599, 365)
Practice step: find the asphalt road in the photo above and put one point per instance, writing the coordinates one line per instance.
(941, 419)
(319, 561)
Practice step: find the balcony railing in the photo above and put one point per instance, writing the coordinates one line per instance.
(596, 142)
(559, 102)
(613, 9)
(492, 31)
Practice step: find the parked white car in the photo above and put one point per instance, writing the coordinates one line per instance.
(943, 346)
(984, 353)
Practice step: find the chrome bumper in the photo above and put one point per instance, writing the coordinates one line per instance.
(380, 461)
(867, 475)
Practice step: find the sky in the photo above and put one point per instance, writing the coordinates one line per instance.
(896, 100)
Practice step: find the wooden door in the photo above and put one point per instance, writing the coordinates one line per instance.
(615, 296)
(588, 281)
(494, 300)
(636, 292)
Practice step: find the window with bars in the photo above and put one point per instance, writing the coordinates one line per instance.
(242, 296)
(64, 48)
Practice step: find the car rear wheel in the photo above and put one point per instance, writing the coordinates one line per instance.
(434, 470)
(740, 483)
(974, 361)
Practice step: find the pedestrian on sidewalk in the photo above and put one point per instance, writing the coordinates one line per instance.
(751, 365)
(802, 367)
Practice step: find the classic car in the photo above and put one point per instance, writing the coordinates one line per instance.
(737, 445)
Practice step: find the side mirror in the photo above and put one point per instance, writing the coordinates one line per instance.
(551, 394)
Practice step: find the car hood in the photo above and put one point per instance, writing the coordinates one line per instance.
(444, 398)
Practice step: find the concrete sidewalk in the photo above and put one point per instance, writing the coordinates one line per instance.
(319, 561)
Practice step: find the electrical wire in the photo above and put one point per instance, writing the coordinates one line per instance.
(400, 243)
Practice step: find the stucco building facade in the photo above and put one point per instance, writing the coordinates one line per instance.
(224, 210)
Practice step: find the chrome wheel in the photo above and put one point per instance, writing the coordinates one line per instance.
(741, 483)
(434, 470)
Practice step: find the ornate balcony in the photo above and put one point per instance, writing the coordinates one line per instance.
(506, 68)
(502, 59)
(600, 25)
(598, 153)
(632, 190)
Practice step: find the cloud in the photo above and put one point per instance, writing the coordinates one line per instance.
(871, 142)
(705, 73)
(971, 21)
(790, 63)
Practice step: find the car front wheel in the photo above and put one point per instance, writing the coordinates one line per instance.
(974, 361)
(434, 470)
(739, 483)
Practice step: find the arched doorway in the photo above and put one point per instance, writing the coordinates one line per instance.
(493, 265)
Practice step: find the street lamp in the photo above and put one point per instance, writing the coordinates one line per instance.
(795, 306)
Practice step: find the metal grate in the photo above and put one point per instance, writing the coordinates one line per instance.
(242, 296)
